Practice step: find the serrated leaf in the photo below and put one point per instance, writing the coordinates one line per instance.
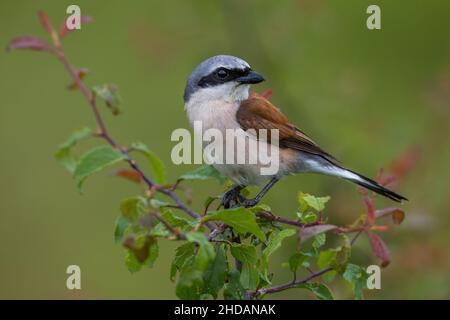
(240, 219)
(320, 290)
(182, 254)
(203, 173)
(214, 277)
(132, 208)
(109, 93)
(175, 220)
(132, 263)
(317, 203)
(64, 152)
(357, 277)
(156, 165)
(319, 240)
(95, 160)
(274, 243)
(205, 254)
(244, 253)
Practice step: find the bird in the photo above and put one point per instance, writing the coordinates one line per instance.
(217, 95)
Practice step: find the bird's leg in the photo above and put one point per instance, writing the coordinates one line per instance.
(233, 197)
(248, 203)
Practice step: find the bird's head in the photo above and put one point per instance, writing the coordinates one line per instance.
(221, 77)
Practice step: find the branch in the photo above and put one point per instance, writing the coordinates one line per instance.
(294, 283)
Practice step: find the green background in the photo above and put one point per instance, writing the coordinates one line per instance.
(365, 96)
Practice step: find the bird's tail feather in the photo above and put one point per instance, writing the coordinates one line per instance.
(372, 185)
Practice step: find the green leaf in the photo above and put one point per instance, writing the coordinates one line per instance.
(157, 166)
(326, 258)
(247, 255)
(303, 205)
(234, 290)
(142, 250)
(214, 277)
(109, 93)
(319, 240)
(309, 217)
(64, 152)
(205, 253)
(357, 277)
(297, 260)
(95, 160)
(320, 290)
(260, 207)
(240, 219)
(190, 282)
(249, 276)
(119, 230)
(132, 262)
(132, 208)
(182, 254)
(275, 243)
(153, 254)
(244, 253)
(317, 203)
(203, 173)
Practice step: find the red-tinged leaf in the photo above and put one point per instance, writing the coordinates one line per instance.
(130, 175)
(398, 215)
(45, 22)
(267, 94)
(379, 228)
(388, 180)
(30, 43)
(379, 249)
(308, 232)
(63, 31)
(82, 72)
(370, 209)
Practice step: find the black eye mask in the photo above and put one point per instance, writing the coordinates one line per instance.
(213, 79)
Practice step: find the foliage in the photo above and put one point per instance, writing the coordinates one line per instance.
(222, 253)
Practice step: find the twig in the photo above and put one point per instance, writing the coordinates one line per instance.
(105, 135)
(295, 283)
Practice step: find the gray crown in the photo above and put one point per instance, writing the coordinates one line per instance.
(208, 66)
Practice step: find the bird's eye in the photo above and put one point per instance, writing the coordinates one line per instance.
(222, 73)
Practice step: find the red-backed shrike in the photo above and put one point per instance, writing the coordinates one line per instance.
(217, 95)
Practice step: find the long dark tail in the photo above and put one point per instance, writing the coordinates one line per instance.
(372, 185)
(361, 180)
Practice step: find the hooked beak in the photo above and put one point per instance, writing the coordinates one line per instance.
(251, 78)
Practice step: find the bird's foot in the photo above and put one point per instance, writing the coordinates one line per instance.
(232, 198)
(249, 203)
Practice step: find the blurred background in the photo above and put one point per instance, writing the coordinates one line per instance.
(368, 97)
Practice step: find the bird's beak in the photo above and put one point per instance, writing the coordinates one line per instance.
(251, 78)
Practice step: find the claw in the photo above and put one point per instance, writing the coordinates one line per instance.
(232, 198)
